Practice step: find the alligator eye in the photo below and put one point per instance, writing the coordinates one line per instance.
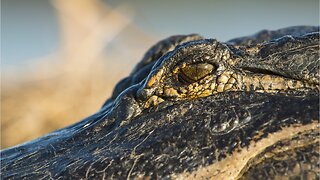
(194, 72)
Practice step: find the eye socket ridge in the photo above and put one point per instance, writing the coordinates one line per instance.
(194, 72)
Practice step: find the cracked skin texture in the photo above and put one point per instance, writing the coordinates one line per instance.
(199, 109)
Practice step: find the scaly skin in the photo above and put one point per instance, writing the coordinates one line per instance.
(195, 108)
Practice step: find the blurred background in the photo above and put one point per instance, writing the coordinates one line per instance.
(60, 59)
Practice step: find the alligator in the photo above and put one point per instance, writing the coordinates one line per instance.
(195, 108)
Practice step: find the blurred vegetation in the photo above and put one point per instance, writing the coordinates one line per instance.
(72, 83)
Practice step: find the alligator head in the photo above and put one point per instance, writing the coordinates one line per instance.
(195, 108)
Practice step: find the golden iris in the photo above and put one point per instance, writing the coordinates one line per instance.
(194, 72)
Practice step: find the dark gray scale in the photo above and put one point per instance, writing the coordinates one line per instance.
(268, 35)
(298, 163)
(289, 56)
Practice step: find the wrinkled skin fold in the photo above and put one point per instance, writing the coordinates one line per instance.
(195, 108)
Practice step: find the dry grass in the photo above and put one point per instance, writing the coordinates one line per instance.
(74, 82)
